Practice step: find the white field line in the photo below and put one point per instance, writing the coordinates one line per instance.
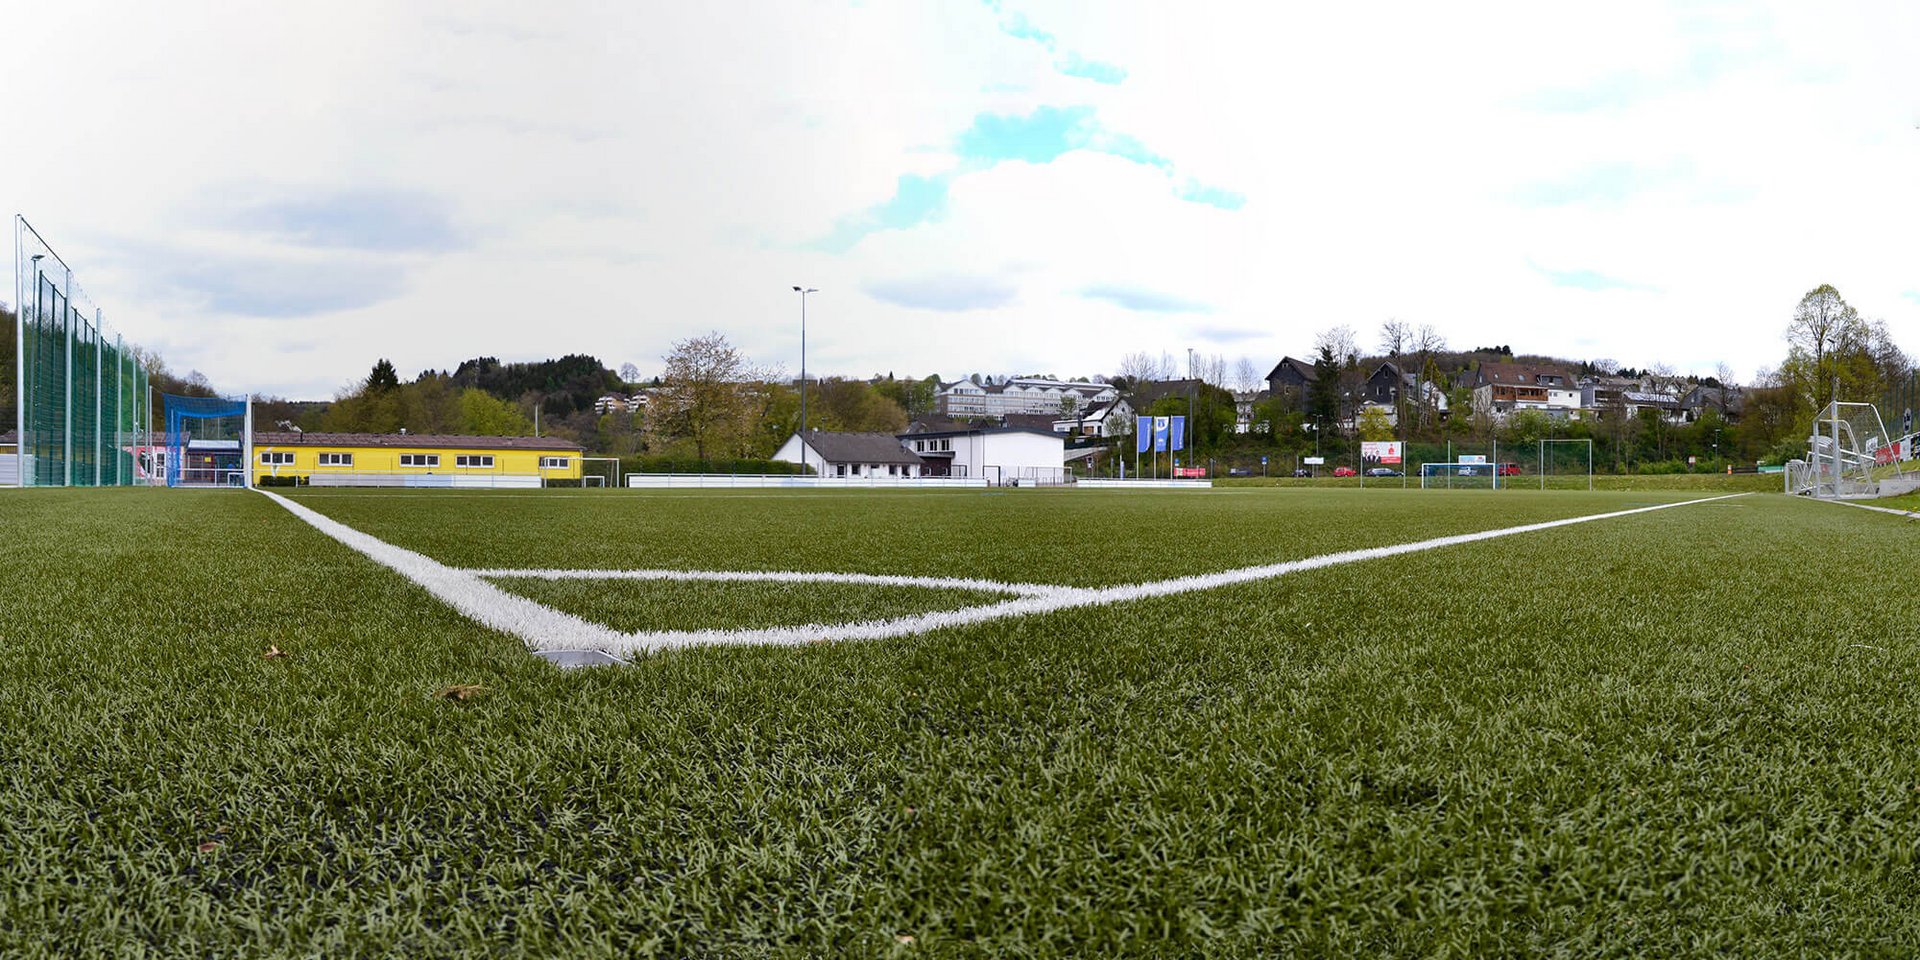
(543, 628)
(781, 576)
(1848, 503)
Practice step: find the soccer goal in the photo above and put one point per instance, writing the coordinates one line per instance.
(1848, 453)
(1460, 475)
(209, 441)
(1565, 464)
(600, 472)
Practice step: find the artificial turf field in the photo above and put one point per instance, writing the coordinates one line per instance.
(1687, 732)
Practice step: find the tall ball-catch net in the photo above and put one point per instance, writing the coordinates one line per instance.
(206, 442)
(79, 395)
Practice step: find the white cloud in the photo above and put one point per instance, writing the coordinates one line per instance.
(607, 179)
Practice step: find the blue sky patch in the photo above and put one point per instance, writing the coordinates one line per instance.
(915, 200)
(944, 293)
(1038, 137)
(1221, 197)
(1586, 279)
(1075, 65)
(1144, 301)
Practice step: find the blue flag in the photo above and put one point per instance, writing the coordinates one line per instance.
(1179, 433)
(1160, 428)
(1142, 434)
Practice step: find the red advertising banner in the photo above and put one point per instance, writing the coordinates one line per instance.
(1197, 473)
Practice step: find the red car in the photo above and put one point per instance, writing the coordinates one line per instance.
(1344, 472)
(1509, 469)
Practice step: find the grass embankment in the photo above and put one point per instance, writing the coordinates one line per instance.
(1619, 738)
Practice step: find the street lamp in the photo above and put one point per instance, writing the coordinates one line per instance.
(803, 291)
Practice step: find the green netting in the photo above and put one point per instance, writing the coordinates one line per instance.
(81, 409)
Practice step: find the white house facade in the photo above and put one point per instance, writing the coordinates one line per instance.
(851, 455)
(1110, 419)
(997, 454)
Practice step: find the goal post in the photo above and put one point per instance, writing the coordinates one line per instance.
(1565, 464)
(600, 472)
(1460, 475)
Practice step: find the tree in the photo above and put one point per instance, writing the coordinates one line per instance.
(383, 376)
(1323, 395)
(629, 373)
(703, 398)
(486, 415)
(1340, 343)
(1820, 322)
(1246, 377)
(1395, 336)
(1374, 424)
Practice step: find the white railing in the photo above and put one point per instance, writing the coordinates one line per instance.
(1086, 483)
(755, 480)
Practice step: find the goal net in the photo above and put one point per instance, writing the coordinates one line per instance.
(1460, 475)
(1564, 464)
(208, 441)
(1849, 451)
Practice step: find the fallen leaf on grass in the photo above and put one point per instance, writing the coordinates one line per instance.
(904, 938)
(274, 652)
(209, 847)
(459, 692)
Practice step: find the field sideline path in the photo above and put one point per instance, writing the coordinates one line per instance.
(543, 628)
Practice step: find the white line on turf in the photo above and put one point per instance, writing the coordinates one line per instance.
(1867, 506)
(781, 576)
(543, 628)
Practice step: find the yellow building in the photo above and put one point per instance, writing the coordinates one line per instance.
(414, 460)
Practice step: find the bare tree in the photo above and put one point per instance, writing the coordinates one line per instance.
(1139, 367)
(1246, 376)
(629, 373)
(1339, 341)
(1395, 337)
(1169, 370)
(1213, 370)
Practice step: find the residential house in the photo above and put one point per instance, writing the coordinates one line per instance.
(1501, 388)
(1291, 379)
(832, 454)
(998, 454)
(1112, 418)
(1725, 401)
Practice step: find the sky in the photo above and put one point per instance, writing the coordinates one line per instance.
(278, 194)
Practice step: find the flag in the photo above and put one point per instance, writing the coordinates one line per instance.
(1179, 431)
(1159, 434)
(1142, 434)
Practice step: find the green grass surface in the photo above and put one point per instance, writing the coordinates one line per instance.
(1636, 737)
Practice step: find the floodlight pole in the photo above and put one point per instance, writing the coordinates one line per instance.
(66, 329)
(803, 291)
(246, 446)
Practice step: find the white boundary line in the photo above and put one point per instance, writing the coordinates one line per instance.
(543, 628)
(1865, 506)
(782, 576)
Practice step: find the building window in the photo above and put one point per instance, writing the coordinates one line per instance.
(336, 459)
(277, 459)
(480, 460)
(555, 463)
(419, 459)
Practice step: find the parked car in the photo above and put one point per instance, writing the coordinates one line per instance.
(1239, 471)
(1345, 472)
(1384, 472)
(1302, 472)
(1509, 469)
